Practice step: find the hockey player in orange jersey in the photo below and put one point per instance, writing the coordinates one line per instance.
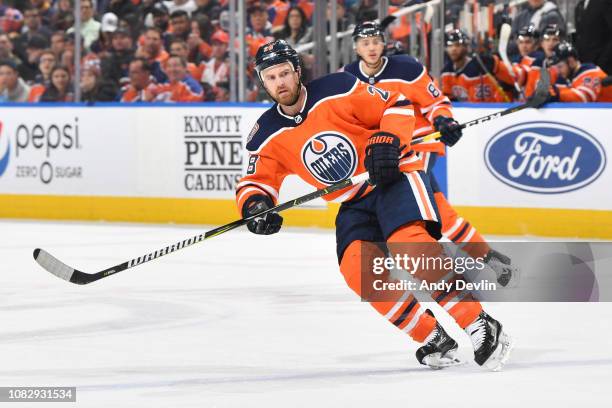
(551, 36)
(336, 127)
(463, 79)
(576, 81)
(432, 110)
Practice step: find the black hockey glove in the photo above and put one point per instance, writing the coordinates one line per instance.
(449, 129)
(382, 158)
(267, 224)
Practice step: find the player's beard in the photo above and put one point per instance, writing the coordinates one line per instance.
(288, 98)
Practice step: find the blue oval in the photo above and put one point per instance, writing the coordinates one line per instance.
(545, 157)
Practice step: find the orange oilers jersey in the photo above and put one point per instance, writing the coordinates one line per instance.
(406, 75)
(131, 94)
(532, 75)
(187, 90)
(325, 142)
(469, 84)
(585, 86)
(524, 64)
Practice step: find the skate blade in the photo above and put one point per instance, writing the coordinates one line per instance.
(436, 362)
(501, 354)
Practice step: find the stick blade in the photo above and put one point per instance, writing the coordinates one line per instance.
(541, 94)
(504, 36)
(53, 265)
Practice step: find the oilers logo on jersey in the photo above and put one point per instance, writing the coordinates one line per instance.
(330, 157)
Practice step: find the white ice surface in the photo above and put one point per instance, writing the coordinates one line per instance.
(246, 321)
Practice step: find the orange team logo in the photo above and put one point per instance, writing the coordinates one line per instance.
(330, 157)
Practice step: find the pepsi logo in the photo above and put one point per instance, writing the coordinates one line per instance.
(5, 150)
(330, 157)
(545, 157)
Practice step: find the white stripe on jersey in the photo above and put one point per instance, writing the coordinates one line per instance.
(414, 320)
(273, 192)
(399, 111)
(454, 228)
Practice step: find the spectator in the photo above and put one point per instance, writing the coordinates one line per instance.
(94, 88)
(45, 10)
(63, 17)
(59, 89)
(45, 65)
(180, 48)
(12, 87)
(33, 27)
(90, 28)
(188, 6)
(141, 86)
(58, 43)
(108, 25)
(161, 17)
(341, 20)
(540, 13)
(199, 39)
(222, 93)
(6, 50)
(594, 31)
(296, 30)
(152, 48)
(181, 86)
(217, 68)
(209, 8)
(115, 66)
(367, 11)
(277, 13)
(258, 32)
(180, 24)
(34, 48)
(122, 8)
(11, 19)
(259, 26)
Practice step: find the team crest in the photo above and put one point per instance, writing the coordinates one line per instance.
(330, 157)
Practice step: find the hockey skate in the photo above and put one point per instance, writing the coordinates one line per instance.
(503, 268)
(492, 346)
(439, 350)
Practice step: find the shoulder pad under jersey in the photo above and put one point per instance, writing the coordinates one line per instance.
(403, 67)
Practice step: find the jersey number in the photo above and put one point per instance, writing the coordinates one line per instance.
(372, 90)
(435, 92)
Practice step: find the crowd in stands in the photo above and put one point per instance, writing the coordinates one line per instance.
(178, 50)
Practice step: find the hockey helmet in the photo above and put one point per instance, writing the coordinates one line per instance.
(456, 36)
(552, 30)
(368, 29)
(529, 31)
(562, 52)
(274, 53)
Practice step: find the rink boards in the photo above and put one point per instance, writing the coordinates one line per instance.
(540, 172)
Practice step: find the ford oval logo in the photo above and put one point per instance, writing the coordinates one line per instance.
(545, 157)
